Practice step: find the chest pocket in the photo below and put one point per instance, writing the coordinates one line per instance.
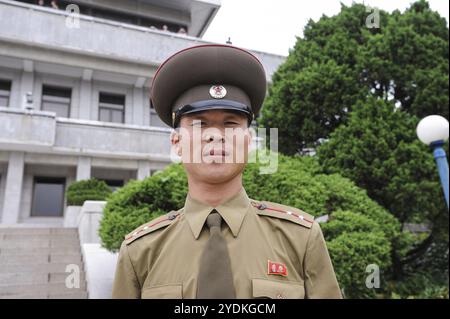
(263, 288)
(163, 292)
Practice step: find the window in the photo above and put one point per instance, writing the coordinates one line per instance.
(48, 197)
(56, 99)
(5, 92)
(111, 108)
(155, 120)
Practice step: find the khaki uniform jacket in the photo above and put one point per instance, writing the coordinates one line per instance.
(276, 251)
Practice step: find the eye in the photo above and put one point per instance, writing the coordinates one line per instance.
(231, 123)
(198, 123)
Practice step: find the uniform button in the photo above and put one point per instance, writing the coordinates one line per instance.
(146, 227)
(280, 296)
(262, 206)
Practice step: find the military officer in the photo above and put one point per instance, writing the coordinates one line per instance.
(221, 244)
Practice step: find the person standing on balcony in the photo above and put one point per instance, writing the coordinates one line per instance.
(54, 4)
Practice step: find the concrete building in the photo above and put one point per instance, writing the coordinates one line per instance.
(88, 113)
(74, 96)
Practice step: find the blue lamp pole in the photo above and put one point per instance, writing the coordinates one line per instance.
(433, 131)
(442, 165)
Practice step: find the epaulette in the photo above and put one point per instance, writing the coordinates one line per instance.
(292, 214)
(151, 226)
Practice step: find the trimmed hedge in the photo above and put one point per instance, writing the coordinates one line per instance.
(92, 189)
(359, 231)
(141, 201)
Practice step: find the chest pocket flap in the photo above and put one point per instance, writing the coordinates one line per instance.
(263, 288)
(174, 291)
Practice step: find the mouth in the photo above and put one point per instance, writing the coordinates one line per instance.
(216, 152)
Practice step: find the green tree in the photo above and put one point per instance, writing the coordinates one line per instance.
(379, 150)
(407, 62)
(340, 61)
(359, 231)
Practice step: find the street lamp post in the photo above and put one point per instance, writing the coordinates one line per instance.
(433, 131)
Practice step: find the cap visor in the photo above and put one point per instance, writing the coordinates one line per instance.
(208, 105)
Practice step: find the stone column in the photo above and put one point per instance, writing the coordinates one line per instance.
(84, 111)
(138, 106)
(83, 168)
(26, 84)
(13, 189)
(143, 170)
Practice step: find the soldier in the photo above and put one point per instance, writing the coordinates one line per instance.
(221, 244)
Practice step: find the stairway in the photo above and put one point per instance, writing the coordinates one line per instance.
(33, 263)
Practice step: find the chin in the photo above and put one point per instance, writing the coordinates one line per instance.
(216, 173)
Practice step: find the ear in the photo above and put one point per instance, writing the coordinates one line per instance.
(175, 138)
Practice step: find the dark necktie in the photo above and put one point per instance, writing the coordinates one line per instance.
(215, 280)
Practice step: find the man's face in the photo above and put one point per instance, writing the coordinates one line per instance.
(213, 145)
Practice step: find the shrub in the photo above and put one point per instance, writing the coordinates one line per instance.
(358, 233)
(141, 201)
(420, 285)
(91, 189)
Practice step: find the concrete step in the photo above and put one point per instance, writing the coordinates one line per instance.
(24, 278)
(39, 237)
(23, 244)
(33, 263)
(29, 251)
(21, 278)
(71, 236)
(38, 268)
(61, 277)
(70, 295)
(40, 259)
(39, 289)
(37, 231)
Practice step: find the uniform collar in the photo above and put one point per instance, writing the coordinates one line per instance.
(232, 211)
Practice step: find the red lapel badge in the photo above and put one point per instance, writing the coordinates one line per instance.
(274, 268)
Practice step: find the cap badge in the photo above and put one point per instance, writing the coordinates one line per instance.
(217, 91)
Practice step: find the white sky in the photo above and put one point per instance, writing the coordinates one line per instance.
(271, 25)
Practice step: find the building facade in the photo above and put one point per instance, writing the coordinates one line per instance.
(74, 95)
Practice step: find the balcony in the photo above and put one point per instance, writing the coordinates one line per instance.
(45, 28)
(38, 131)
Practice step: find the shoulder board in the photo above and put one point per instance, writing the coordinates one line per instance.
(151, 226)
(292, 214)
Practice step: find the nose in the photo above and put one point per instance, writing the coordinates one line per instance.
(214, 137)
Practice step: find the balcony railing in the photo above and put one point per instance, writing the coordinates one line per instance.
(51, 28)
(41, 131)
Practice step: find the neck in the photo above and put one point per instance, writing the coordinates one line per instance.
(214, 194)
